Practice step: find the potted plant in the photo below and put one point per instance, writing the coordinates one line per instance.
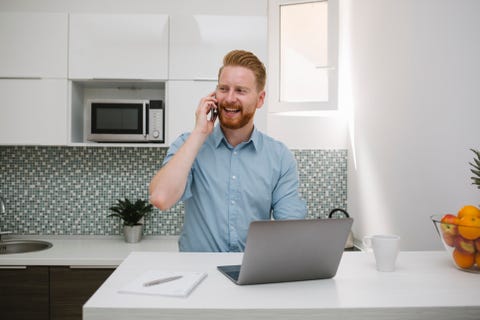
(131, 214)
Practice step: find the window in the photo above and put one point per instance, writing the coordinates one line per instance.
(303, 54)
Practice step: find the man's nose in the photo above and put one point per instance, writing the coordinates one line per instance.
(230, 96)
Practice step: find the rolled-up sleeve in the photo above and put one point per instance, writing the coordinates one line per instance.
(286, 201)
(187, 193)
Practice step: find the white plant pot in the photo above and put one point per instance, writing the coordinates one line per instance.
(133, 233)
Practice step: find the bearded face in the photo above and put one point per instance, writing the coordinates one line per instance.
(237, 97)
(234, 116)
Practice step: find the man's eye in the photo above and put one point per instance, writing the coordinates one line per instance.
(222, 89)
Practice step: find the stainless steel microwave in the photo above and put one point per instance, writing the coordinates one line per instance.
(125, 121)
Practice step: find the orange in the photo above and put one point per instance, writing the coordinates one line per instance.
(469, 227)
(463, 260)
(477, 259)
(469, 210)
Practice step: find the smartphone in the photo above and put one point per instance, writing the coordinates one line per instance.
(214, 113)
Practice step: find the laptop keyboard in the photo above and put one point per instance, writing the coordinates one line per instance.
(231, 271)
(233, 274)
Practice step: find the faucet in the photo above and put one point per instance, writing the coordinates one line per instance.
(2, 212)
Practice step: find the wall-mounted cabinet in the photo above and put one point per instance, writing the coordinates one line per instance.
(51, 64)
(33, 45)
(33, 112)
(82, 91)
(33, 85)
(115, 56)
(118, 46)
(200, 41)
(185, 96)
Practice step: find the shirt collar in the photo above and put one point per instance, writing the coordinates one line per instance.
(219, 137)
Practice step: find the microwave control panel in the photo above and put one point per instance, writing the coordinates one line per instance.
(156, 121)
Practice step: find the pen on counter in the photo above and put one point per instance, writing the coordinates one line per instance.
(162, 280)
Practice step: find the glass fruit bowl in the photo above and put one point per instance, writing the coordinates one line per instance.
(461, 240)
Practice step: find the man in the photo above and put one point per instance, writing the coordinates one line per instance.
(230, 174)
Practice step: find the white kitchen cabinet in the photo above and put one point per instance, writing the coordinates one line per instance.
(198, 42)
(118, 46)
(33, 45)
(184, 96)
(33, 112)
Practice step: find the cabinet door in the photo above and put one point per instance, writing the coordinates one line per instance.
(183, 99)
(71, 288)
(33, 45)
(118, 46)
(199, 42)
(33, 111)
(24, 293)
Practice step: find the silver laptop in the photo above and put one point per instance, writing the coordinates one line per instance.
(290, 250)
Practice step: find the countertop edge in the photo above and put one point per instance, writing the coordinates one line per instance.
(101, 252)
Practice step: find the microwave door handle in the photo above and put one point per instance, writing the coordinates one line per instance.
(144, 119)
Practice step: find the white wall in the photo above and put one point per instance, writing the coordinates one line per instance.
(309, 132)
(414, 69)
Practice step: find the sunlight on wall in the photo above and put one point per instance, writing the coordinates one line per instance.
(372, 200)
(345, 97)
(366, 199)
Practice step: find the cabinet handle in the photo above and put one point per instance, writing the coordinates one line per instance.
(205, 79)
(325, 67)
(20, 78)
(92, 267)
(13, 267)
(145, 120)
(118, 79)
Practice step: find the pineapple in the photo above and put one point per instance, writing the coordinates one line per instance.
(476, 168)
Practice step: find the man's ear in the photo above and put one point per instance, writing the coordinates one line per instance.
(261, 99)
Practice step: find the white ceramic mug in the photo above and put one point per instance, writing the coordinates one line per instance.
(385, 249)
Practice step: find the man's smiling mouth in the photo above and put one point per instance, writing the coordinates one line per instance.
(231, 110)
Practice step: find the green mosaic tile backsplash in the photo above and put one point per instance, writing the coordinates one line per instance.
(68, 190)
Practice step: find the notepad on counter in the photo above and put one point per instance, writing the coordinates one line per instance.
(182, 284)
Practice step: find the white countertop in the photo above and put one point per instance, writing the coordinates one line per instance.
(425, 285)
(85, 250)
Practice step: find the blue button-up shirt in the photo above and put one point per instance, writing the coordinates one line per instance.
(229, 187)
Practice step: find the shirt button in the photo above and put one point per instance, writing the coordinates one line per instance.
(233, 201)
(233, 177)
(234, 152)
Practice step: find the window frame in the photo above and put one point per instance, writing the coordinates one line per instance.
(274, 103)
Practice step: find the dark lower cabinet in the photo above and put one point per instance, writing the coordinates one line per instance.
(70, 288)
(24, 293)
(44, 293)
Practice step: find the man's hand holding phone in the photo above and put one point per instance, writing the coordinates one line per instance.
(206, 114)
(214, 113)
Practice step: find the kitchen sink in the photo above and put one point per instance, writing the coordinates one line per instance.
(23, 246)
